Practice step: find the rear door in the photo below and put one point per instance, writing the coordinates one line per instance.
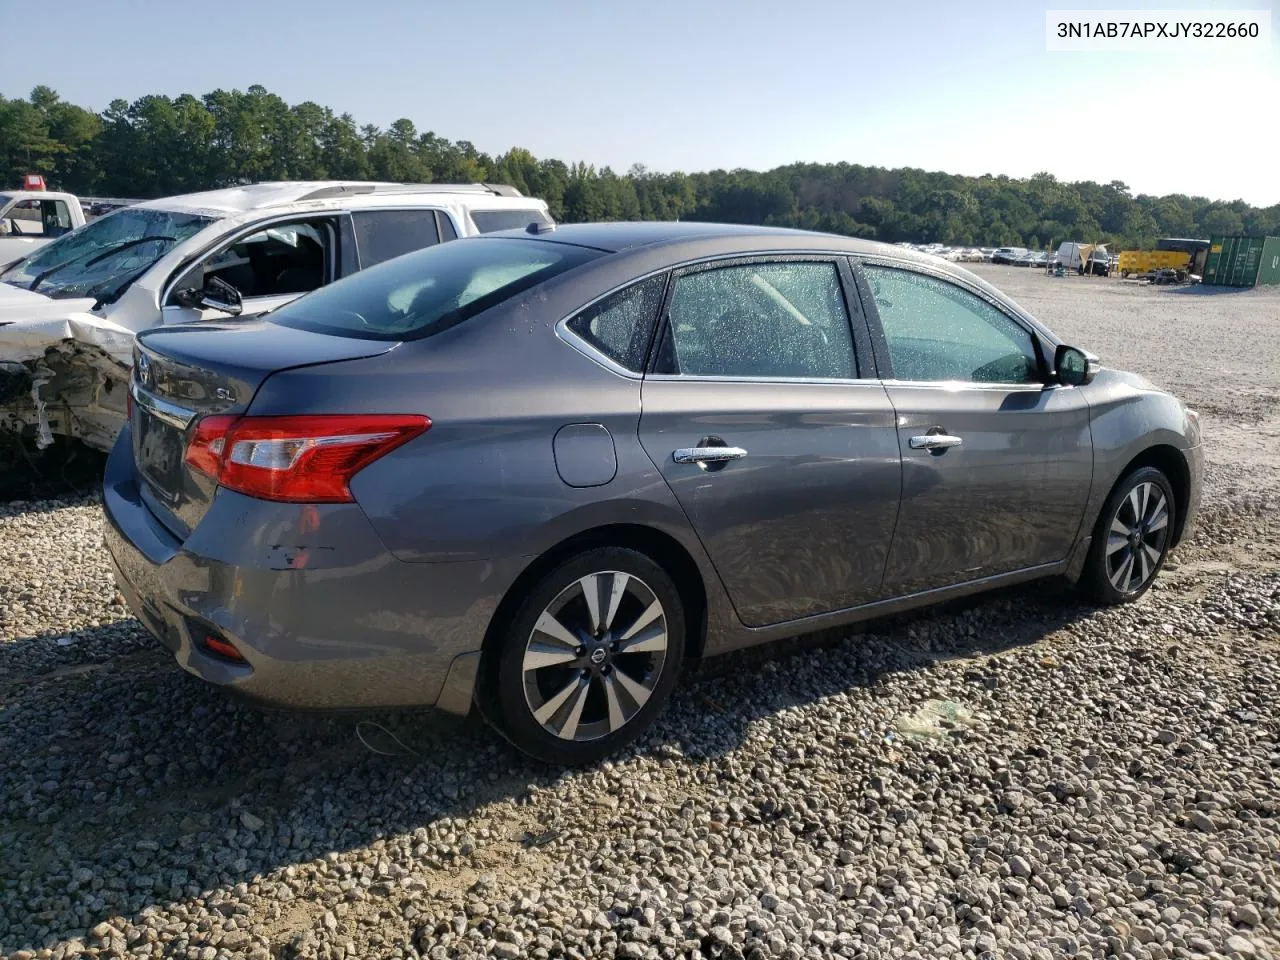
(996, 462)
(772, 432)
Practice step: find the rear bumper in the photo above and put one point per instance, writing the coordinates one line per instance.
(323, 614)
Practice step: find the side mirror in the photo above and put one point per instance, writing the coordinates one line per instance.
(1073, 366)
(216, 294)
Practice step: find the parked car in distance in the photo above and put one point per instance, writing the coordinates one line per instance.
(537, 471)
(1007, 254)
(70, 310)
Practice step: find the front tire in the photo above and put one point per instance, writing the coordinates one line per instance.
(590, 657)
(1131, 539)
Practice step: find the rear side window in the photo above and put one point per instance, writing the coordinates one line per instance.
(386, 234)
(489, 221)
(422, 293)
(447, 232)
(774, 320)
(619, 326)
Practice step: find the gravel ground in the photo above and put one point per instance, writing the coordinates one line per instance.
(1015, 776)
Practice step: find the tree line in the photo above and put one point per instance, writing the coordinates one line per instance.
(158, 146)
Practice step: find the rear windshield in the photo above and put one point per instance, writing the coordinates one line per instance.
(491, 221)
(430, 290)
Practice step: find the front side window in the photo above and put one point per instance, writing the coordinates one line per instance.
(279, 260)
(387, 234)
(36, 218)
(937, 331)
(619, 325)
(430, 290)
(774, 320)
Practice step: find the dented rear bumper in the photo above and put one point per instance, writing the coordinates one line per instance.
(323, 614)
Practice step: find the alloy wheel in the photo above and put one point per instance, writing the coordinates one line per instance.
(595, 655)
(1137, 537)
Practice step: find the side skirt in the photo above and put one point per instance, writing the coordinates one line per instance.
(736, 638)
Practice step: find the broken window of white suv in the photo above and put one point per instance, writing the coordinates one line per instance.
(100, 259)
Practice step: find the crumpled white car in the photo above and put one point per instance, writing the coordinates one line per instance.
(69, 311)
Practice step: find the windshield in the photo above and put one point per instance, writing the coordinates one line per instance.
(430, 290)
(105, 253)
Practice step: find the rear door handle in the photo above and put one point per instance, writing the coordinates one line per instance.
(707, 454)
(935, 441)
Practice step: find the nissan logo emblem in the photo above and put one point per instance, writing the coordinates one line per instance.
(144, 370)
(598, 655)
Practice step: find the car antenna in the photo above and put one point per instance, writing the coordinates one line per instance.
(537, 227)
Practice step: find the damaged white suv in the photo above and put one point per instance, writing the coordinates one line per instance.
(69, 312)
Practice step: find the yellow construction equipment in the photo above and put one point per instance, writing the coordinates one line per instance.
(1144, 261)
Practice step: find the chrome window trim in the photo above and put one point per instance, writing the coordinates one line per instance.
(1036, 387)
(772, 381)
(161, 409)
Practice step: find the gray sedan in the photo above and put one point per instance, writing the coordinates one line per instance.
(538, 471)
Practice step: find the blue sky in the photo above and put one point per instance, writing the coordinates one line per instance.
(961, 86)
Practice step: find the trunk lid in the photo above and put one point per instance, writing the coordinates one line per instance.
(181, 374)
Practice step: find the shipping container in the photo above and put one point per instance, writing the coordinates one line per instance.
(1269, 270)
(1233, 261)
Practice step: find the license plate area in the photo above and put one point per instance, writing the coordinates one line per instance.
(158, 451)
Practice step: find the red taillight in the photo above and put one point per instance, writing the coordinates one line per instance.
(222, 648)
(205, 449)
(305, 459)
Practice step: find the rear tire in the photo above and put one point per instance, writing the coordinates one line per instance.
(1131, 538)
(590, 657)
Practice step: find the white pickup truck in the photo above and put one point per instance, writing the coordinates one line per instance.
(31, 218)
(69, 311)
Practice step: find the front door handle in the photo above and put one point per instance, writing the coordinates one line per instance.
(935, 441)
(702, 455)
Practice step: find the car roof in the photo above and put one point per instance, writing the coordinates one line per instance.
(616, 237)
(257, 196)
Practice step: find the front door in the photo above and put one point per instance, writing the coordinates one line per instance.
(784, 461)
(996, 463)
(269, 266)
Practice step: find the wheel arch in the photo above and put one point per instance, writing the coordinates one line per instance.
(662, 547)
(1170, 461)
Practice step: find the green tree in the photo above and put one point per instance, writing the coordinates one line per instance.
(157, 145)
